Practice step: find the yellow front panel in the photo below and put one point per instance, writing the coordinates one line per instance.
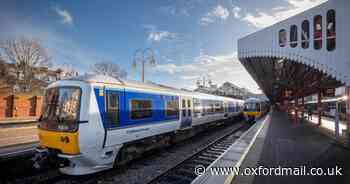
(67, 142)
(253, 113)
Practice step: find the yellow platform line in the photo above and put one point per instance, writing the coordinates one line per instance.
(230, 177)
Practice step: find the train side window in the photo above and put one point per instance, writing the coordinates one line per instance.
(293, 37)
(183, 108)
(197, 107)
(172, 108)
(318, 32)
(212, 108)
(305, 34)
(282, 37)
(112, 107)
(189, 108)
(331, 34)
(218, 107)
(141, 109)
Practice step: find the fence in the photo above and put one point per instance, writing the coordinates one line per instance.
(20, 106)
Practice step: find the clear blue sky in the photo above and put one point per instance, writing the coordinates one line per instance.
(191, 38)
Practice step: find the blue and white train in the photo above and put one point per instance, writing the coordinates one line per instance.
(94, 122)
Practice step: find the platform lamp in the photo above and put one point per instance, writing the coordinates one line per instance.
(143, 57)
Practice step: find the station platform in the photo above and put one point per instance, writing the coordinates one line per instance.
(17, 141)
(18, 135)
(285, 144)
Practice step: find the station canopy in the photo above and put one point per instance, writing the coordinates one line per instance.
(301, 55)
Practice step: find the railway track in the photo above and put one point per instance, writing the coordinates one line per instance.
(184, 172)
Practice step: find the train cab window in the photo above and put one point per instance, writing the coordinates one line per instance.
(183, 107)
(189, 108)
(258, 108)
(112, 107)
(61, 109)
(172, 108)
(141, 109)
(318, 32)
(305, 34)
(331, 36)
(293, 37)
(282, 37)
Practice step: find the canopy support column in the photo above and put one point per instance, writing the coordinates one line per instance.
(347, 102)
(319, 107)
(296, 109)
(302, 108)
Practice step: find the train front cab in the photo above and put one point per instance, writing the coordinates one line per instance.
(69, 130)
(252, 111)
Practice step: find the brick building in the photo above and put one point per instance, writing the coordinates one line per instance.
(22, 105)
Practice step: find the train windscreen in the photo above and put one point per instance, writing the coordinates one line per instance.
(251, 107)
(61, 109)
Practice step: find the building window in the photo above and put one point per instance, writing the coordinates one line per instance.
(141, 109)
(172, 108)
(305, 34)
(331, 35)
(293, 37)
(282, 37)
(318, 32)
(112, 107)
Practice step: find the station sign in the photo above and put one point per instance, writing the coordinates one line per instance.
(328, 92)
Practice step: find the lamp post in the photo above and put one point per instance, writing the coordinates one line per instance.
(139, 56)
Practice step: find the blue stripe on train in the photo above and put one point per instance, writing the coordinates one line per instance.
(158, 105)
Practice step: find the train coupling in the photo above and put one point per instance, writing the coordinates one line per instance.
(45, 158)
(40, 157)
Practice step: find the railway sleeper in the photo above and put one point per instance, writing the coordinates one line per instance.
(217, 149)
(206, 158)
(210, 155)
(214, 152)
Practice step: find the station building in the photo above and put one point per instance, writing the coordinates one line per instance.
(303, 55)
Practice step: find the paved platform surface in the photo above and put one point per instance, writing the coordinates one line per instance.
(294, 145)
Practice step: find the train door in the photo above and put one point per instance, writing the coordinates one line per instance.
(186, 113)
(225, 106)
(114, 104)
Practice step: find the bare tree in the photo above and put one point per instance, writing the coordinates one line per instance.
(109, 69)
(26, 54)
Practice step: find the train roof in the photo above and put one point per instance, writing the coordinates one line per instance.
(107, 80)
(254, 100)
